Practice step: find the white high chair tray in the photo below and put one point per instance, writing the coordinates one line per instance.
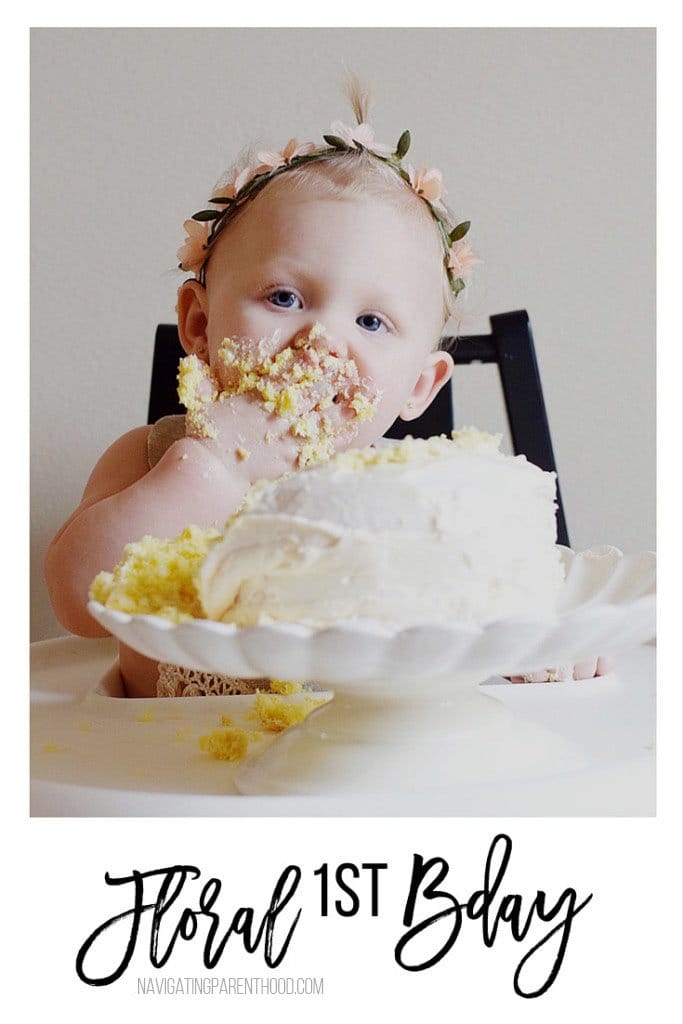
(98, 755)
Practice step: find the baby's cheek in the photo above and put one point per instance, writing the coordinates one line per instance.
(395, 369)
(392, 398)
(370, 430)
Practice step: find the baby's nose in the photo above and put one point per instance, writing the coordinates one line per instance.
(338, 345)
(333, 339)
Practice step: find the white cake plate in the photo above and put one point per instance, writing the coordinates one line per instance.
(386, 730)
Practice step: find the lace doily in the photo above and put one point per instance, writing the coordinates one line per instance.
(176, 681)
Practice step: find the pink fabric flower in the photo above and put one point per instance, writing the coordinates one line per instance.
(271, 161)
(192, 254)
(461, 258)
(363, 134)
(229, 189)
(427, 182)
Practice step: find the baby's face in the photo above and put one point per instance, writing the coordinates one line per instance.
(369, 273)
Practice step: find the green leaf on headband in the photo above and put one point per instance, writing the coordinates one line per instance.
(206, 215)
(403, 145)
(459, 232)
(335, 141)
(458, 285)
(222, 199)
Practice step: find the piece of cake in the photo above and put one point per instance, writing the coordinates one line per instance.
(439, 530)
(157, 576)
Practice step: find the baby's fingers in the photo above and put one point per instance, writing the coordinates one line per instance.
(555, 674)
(587, 669)
(605, 666)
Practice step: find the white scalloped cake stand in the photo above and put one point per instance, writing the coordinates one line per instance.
(408, 714)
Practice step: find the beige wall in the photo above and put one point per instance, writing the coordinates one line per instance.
(546, 141)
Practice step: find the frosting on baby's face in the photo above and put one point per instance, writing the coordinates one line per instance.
(369, 273)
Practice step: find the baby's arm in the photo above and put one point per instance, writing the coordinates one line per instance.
(124, 500)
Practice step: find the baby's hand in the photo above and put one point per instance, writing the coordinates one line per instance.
(243, 435)
(561, 673)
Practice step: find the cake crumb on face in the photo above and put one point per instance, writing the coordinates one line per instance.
(196, 387)
(242, 454)
(363, 408)
(286, 383)
(317, 331)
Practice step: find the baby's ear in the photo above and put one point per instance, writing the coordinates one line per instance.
(436, 371)
(192, 309)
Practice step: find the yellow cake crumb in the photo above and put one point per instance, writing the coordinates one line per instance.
(285, 402)
(285, 686)
(145, 716)
(410, 448)
(313, 452)
(157, 576)
(242, 454)
(362, 406)
(51, 748)
(304, 427)
(472, 437)
(226, 720)
(84, 725)
(229, 744)
(317, 331)
(196, 387)
(276, 714)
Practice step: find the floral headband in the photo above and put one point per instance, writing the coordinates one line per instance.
(205, 226)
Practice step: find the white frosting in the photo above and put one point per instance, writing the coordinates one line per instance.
(452, 531)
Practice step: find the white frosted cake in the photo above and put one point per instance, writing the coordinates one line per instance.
(441, 530)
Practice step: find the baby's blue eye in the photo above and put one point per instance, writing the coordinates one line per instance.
(282, 298)
(370, 322)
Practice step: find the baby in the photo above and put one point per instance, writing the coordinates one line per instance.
(341, 249)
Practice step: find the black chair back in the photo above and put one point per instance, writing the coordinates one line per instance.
(510, 345)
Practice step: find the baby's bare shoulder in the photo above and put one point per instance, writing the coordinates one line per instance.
(124, 462)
